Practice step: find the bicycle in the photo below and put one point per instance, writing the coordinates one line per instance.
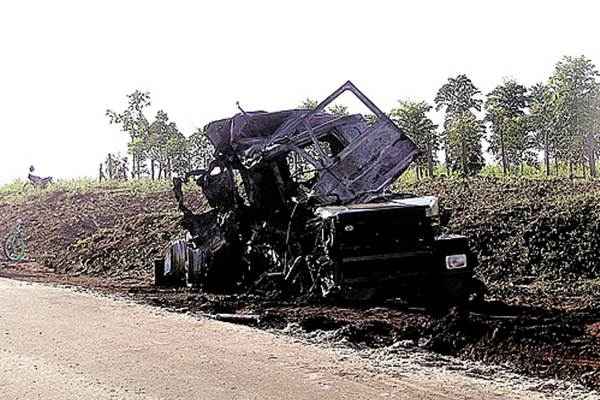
(36, 182)
(15, 247)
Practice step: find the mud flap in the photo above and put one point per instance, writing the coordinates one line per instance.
(171, 270)
(162, 280)
(197, 266)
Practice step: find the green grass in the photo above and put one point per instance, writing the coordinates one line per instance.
(495, 170)
(16, 190)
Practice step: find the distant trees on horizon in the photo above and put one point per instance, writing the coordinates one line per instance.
(551, 125)
(157, 149)
(558, 120)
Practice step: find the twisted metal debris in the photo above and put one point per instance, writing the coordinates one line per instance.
(300, 198)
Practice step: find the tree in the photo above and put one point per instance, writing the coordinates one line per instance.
(541, 118)
(115, 166)
(574, 89)
(168, 146)
(458, 96)
(339, 110)
(157, 143)
(160, 142)
(371, 119)
(412, 118)
(177, 152)
(133, 122)
(593, 136)
(200, 148)
(463, 137)
(510, 138)
(308, 104)
(462, 131)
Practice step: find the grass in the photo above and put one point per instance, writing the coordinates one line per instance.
(16, 190)
(495, 170)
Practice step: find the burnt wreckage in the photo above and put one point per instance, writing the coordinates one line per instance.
(300, 197)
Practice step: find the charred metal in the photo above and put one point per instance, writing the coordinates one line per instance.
(300, 199)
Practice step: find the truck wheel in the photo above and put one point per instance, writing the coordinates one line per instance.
(478, 291)
(159, 275)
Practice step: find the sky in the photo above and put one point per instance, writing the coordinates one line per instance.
(63, 63)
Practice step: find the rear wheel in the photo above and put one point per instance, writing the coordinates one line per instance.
(28, 187)
(455, 292)
(14, 248)
(477, 292)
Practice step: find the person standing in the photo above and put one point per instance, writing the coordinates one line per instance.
(101, 176)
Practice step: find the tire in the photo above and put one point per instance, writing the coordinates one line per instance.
(478, 292)
(159, 276)
(15, 248)
(472, 293)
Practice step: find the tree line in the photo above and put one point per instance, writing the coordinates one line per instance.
(158, 149)
(551, 125)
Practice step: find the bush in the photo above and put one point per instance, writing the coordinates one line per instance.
(524, 226)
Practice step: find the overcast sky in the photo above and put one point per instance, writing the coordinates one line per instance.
(63, 63)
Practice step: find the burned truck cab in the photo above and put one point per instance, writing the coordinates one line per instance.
(391, 249)
(303, 195)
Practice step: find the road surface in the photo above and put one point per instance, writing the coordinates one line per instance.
(56, 343)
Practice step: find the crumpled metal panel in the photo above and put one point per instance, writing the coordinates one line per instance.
(244, 130)
(373, 156)
(369, 165)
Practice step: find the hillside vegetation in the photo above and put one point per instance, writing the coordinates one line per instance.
(114, 229)
(522, 230)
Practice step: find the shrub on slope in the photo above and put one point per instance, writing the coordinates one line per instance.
(524, 226)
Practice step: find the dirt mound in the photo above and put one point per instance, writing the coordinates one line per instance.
(521, 230)
(120, 250)
(97, 232)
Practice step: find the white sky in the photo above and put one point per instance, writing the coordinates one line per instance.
(63, 63)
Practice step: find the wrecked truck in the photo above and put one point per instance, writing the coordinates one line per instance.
(300, 202)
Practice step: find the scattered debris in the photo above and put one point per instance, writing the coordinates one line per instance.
(243, 319)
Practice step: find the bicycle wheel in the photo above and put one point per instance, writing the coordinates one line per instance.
(28, 187)
(14, 248)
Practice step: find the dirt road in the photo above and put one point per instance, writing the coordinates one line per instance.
(56, 343)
